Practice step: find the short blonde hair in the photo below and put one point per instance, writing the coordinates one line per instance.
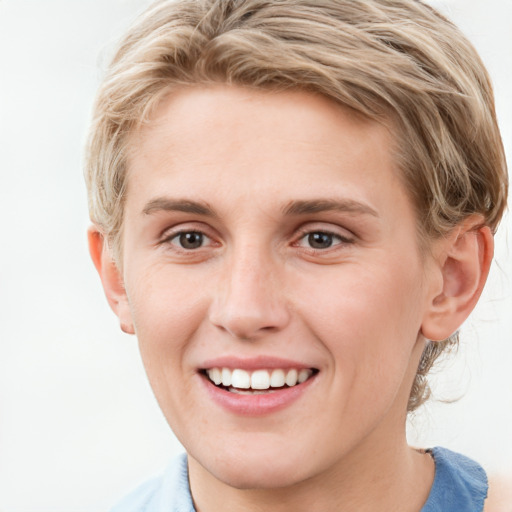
(399, 62)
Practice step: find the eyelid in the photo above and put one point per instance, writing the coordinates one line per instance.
(341, 233)
(340, 239)
(179, 233)
(340, 249)
(171, 233)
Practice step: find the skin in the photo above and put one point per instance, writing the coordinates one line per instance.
(356, 309)
(500, 494)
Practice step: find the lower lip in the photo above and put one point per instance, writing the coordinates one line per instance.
(257, 404)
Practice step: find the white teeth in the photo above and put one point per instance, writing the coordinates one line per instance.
(291, 378)
(303, 375)
(240, 379)
(277, 380)
(259, 379)
(226, 377)
(215, 376)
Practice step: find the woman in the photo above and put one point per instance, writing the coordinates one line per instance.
(294, 205)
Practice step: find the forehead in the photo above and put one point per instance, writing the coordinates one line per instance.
(206, 142)
(196, 125)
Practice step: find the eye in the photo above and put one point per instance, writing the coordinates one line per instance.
(321, 240)
(189, 240)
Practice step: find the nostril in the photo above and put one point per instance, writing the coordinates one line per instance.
(249, 326)
(249, 308)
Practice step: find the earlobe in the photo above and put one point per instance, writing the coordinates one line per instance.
(111, 278)
(464, 260)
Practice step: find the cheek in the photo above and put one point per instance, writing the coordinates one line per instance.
(362, 297)
(369, 317)
(167, 310)
(167, 313)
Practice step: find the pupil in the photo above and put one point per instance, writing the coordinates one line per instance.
(320, 240)
(191, 240)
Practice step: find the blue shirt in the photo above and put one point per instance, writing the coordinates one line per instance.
(460, 485)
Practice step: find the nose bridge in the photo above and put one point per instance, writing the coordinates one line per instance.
(250, 299)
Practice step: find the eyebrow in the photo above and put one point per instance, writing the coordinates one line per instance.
(326, 205)
(178, 205)
(298, 207)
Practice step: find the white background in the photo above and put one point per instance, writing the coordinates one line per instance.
(78, 424)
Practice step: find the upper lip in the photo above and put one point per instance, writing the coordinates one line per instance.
(253, 363)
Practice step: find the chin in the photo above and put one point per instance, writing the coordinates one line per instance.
(259, 469)
(268, 476)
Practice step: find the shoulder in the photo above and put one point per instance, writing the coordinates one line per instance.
(460, 483)
(139, 500)
(169, 492)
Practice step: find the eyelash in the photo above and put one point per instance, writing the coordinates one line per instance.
(333, 239)
(183, 233)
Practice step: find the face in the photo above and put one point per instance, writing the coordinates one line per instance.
(274, 281)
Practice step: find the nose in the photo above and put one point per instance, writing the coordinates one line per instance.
(250, 299)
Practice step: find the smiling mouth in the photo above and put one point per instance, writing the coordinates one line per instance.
(257, 381)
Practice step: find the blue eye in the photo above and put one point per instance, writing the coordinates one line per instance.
(189, 240)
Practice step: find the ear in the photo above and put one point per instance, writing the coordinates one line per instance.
(463, 259)
(111, 278)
